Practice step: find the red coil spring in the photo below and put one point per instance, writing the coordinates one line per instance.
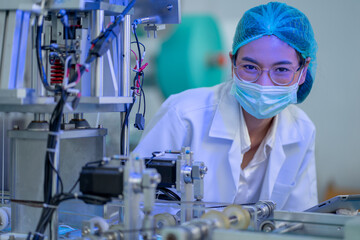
(57, 72)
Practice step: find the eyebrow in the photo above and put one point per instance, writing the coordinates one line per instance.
(256, 62)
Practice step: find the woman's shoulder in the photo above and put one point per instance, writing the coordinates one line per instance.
(197, 98)
(296, 115)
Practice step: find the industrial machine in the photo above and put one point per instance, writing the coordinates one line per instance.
(63, 60)
(59, 62)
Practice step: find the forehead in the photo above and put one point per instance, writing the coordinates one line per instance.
(268, 50)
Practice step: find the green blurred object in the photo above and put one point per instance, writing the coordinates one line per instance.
(192, 57)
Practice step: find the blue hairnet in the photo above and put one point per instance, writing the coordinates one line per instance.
(288, 24)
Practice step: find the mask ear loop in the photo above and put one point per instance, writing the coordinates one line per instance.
(301, 73)
(302, 70)
(234, 65)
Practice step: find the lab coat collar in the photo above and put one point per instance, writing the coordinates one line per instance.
(226, 121)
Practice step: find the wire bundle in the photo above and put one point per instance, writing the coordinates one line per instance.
(100, 44)
(138, 84)
(51, 207)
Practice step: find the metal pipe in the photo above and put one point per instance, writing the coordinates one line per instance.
(125, 84)
(97, 76)
(39, 117)
(289, 228)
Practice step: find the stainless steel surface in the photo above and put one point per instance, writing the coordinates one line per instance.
(109, 9)
(2, 33)
(318, 224)
(15, 34)
(34, 5)
(97, 67)
(47, 104)
(125, 86)
(225, 234)
(22, 50)
(27, 159)
(126, 31)
(132, 197)
(324, 218)
(161, 11)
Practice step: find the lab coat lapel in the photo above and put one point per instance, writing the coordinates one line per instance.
(235, 158)
(276, 160)
(226, 125)
(276, 185)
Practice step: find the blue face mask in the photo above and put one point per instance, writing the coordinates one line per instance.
(263, 101)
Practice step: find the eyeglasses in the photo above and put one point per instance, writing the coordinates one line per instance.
(280, 74)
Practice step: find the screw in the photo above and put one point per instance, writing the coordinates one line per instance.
(160, 224)
(203, 170)
(169, 7)
(267, 229)
(85, 231)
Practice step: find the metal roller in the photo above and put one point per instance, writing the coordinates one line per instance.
(239, 218)
(221, 220)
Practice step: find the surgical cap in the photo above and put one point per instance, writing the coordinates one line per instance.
(288, 24)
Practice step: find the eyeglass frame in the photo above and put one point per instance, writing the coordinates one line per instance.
(302, 64)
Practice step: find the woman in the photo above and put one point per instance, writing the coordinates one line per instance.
(256, 144)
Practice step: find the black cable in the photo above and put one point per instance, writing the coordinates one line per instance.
(57, 173)
(101, 44)
(78, 180)
(170, 194)
(125, 122)
(54, 128)
(74, 186)
(47, 213)
(141, 45)
(50, 229)
(137, 44)
(139, 105)
(139, 73)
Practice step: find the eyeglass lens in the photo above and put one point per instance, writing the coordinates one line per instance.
(281, 75)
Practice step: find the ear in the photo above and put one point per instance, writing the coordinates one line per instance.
(304, 70)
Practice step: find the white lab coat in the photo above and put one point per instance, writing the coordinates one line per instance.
(208, 120)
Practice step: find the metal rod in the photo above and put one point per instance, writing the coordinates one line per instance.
(97, 86)
(289, 228)
(3, 160)
(233, 220)
(125, 84)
